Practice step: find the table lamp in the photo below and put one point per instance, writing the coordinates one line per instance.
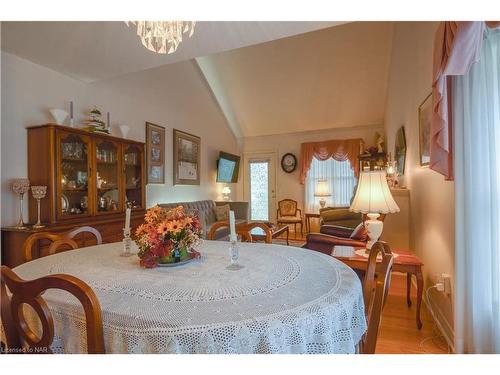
(225, 192)
(322, 191)
(373, 198)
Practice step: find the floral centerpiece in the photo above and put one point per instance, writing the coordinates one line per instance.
(167, 236)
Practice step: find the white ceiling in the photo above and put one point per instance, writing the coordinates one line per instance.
(91, 51)
(331, 78)
(267, 77)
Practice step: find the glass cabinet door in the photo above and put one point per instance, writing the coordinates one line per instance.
(107, 179)
(133, 157)
(73, 174)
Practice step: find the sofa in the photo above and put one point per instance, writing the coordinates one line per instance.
(205, 211)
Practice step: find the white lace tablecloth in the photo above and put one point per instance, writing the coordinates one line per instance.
(284, 300)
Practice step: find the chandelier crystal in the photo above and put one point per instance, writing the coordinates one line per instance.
(163, 36)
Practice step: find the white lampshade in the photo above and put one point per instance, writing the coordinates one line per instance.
(322, 189)
(373, 194)
(226, 190)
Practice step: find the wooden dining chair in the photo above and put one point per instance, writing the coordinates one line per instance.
(375, 287)
(60, 241)
(242, 229)
(19, 337)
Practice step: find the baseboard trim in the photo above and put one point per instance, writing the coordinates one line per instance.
(440, 321)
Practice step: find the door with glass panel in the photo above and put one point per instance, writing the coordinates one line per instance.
(260, 186)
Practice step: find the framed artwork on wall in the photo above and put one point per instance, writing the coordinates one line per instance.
(424, 129)
(400, 150)
(155, 151)
(187, 158)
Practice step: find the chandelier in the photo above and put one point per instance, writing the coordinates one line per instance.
(163, 36)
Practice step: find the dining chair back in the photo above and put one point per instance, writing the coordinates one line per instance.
(244, 230)
(18, 334)
(59, 241)
(375, 287)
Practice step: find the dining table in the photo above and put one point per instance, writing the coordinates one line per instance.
(282, 300)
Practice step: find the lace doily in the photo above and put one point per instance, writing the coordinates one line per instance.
(285, 300)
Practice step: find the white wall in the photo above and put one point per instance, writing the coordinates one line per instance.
(287, 184)
(432, 198)
(173, 96)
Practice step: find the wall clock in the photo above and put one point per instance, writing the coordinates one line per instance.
(288, 162)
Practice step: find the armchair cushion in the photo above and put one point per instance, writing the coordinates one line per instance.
(325, 243)
(290, 218)
(359, 233)
(287, 207)
(336, 230)
(221, 212)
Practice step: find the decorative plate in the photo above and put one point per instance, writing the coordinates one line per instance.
(288, 162)
(187, 260)
(64, 203)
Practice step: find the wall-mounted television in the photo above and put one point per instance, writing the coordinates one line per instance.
(228, 167)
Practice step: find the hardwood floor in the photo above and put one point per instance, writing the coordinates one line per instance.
(398, 333)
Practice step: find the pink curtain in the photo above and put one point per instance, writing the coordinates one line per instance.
(456, 47)
(340, 150)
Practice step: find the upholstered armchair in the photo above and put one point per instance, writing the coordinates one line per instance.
(288, 213)
(331, 236)
(334, 235)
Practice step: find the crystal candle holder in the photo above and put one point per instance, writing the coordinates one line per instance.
(127, 243)
(21, 186)
(38, 192)
(234, 255)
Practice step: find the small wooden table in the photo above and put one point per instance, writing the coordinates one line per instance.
(259, 235)
(308, 217)
(405, 262)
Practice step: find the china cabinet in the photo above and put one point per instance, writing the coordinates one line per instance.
(91, 178)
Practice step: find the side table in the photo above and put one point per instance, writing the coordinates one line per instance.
(405, 262)
(308, 217)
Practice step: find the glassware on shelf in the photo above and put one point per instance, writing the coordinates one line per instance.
(38, 193)
(21, 186)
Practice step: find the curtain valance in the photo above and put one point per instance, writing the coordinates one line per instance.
(457, 45)
(340, 150)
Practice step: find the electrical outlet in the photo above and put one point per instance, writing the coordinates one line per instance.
(446, 280)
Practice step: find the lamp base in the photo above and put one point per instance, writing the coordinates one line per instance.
(374, 228)
(322, 202)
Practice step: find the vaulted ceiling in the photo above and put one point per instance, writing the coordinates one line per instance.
(267, 77)
(92, 51)
(335, 77)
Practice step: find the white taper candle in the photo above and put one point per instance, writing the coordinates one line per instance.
(232, 227)
(127, 218)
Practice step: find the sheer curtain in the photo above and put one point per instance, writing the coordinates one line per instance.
(477, 202)
(341, 181)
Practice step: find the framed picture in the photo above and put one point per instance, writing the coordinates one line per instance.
(400, 150)
(187, 149)
(424, 129)
(155, 153)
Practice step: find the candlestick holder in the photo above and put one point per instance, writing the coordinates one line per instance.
(127, 243)
(21, 186)
(234, 254)
(38, 193)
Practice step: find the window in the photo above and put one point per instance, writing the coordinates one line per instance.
(340, 179)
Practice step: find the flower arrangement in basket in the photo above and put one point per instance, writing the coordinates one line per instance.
(167, 236)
